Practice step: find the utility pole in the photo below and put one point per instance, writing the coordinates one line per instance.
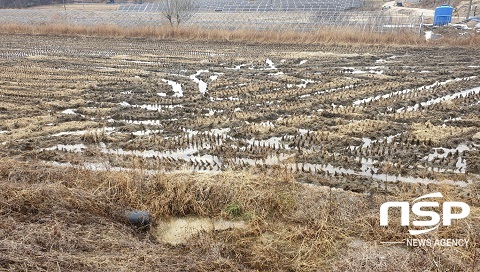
(469, 10)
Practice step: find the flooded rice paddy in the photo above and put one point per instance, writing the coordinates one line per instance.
(350, 117)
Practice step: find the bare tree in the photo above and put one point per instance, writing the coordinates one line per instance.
(178, 11)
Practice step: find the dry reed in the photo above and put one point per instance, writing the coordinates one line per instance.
(323, 35)
(58, 219)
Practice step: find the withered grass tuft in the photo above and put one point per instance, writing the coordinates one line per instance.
(70, 218)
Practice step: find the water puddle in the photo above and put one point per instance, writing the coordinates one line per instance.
(179, 230)
(367, 142)
(273, 142)
(176, 87)
(271, 65)
(190, 132)
(76, 148)
(371, 173)
(219, 131)
(452, 119)
(143, 122)
(448, 97)
(302, 131)
(442, 153)
(69, 112)
(202, 85)
(200, 164)
(156, 107)
(183, 155)
(106, 130)
(352, 70)
(238, 67)
(304, 83)
(425, 87)
(146, 132)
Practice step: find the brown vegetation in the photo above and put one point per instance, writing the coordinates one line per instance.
(324, 35)
(278, 121)
(59, 219)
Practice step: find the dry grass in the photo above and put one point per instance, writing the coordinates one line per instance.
(329, 35)
(58, 219)
(324, 35)
(429, 132)
(78, 6)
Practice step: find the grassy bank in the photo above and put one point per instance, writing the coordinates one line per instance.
(68, 218)
(323, 35)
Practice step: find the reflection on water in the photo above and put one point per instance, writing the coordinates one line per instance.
(193, 161)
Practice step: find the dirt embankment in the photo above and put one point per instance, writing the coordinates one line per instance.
(54, 219)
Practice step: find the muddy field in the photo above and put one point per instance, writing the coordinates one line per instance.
(226, 146)
(355, 117)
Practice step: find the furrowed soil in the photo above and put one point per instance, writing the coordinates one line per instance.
(270, 156)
